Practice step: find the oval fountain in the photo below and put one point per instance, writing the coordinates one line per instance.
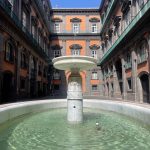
(74, 64)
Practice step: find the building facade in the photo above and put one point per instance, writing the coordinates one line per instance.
(125, 46)
(24, 48)
(75, 32)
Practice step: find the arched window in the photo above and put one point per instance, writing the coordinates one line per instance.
(142, 52)
(9, 52)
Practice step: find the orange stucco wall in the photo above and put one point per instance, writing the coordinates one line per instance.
(71, 42)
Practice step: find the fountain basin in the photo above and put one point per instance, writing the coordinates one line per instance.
(74, 62)
(49, 129)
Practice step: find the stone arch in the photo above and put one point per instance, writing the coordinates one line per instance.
(143, 87)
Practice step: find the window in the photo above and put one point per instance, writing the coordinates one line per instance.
(142, 52)
(56, 76)
(22, 84)
(94, 28)
(57, 53)
(9, 52)
(23, 61)
(33, 31)
(94, 88)
(94, 54)
(128, 61)
(94, 76)
(57, 28)
(75, 52)
(129, 84)
(24, 19)
(75, 27)
(39, 69)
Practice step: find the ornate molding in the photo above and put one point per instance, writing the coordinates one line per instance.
(94, 47)
(94, 19)
(56, 47)
(75, 20)
(57, 20)
(75, 46)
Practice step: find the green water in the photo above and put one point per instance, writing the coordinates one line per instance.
(50, 131)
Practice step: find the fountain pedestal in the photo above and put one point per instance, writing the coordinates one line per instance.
(75, 99)
(74, 64)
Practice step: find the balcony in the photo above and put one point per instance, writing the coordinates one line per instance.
(43, 13)
(19, 25)
(107, 13)
(128, 29)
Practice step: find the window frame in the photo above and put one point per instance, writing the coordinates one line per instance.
(75, 29)
(94, 29)
(56, 27)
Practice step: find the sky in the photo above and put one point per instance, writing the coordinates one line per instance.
(75, 3)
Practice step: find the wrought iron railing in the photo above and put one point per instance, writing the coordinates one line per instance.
(135, 20)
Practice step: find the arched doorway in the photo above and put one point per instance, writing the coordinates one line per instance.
(7, 87)
(144, 88)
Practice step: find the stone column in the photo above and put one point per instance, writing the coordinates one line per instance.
(75, 100)
(18, 63)
(116, 83)
(36, 76)
(100, 84)
(87, 24)
(63, 28)
(134, 75)
(87, 48)
(149, 62)
(124, 94)
(63, 52)
(29, 74)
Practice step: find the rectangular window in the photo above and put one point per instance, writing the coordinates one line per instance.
(94, 28)
(33, 31)
(57, 28)
(75, 28)
(94, 54)
(56, 76)
(75, 52)
(24, 19)
(129, 83)
(57, 53)
(94, 76)
(22, 84)
(94, 88)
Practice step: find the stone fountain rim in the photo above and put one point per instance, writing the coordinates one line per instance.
(88, 58)
(134, 110)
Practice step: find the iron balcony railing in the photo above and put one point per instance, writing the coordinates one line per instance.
(136, 19)
(4, 5)
(107, 13)
(43, 13)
